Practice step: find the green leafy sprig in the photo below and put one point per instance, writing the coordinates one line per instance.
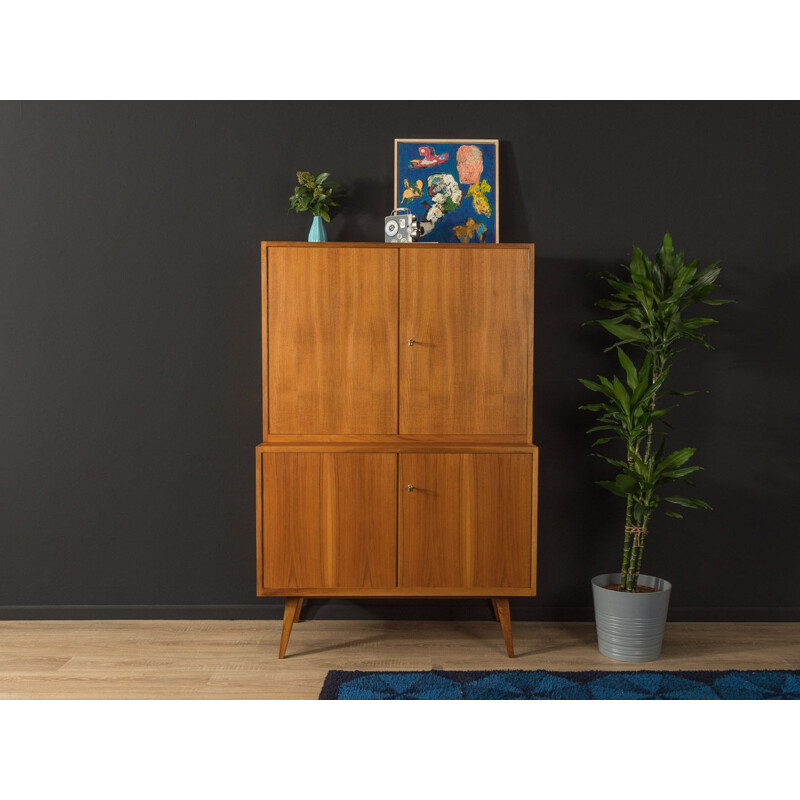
(317, 195)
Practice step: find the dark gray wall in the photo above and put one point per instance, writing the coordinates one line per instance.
(129, 305)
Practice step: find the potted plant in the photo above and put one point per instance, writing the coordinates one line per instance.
(651, 302)
(317, 195)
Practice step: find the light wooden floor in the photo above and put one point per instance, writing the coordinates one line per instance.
(189, 659)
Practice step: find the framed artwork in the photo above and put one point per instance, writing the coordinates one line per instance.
(450, 185)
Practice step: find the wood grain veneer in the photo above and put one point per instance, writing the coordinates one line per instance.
(328, 520)
(467, 521)
(467, 313)
(332, 340)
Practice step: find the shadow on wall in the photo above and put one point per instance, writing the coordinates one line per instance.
(513, 216)
(365, 206)
(579, 523)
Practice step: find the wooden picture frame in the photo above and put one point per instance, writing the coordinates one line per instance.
(451, 186)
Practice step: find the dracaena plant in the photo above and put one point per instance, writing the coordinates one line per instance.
(317, 195)
(651, 301)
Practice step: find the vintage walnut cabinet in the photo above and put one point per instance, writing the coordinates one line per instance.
(398, 456)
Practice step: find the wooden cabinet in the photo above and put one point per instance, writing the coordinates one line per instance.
(397, 458)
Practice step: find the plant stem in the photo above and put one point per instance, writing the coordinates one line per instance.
(659, 362)
(658, 367)
(626, 546)
(630, 583)
(636, 564)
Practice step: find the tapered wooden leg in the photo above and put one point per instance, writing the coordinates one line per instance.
(494, 608)
(289, 616)
(299, 609)
(503, 611)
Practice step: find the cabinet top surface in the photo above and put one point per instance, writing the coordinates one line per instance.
(427, 245)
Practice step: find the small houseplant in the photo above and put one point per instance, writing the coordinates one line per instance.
(650, 302)
(317, 195)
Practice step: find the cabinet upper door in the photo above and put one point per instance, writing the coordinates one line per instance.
(465, 341)
(332, 332)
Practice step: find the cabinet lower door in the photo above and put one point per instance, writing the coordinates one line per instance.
(328, 520)
(465, 521)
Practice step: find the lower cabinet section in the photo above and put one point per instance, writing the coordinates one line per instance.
(328, 520)
(389, 524)
(465, 520)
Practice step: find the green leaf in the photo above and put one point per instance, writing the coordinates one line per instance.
(677, 458)
(595, 387)
(607, 385)
(650, 390)
(622, 396)
(709, 275)
(638, 269)
(626, 482)
(685, 274)
(613, 461)
(639, 467)
(675, 474)
(619, 344)
(667, 251)
(689, 503)
(613, 488)
(630, 370)
(611, 305)
(622, 486)
(660, 412)
(698, 322)
(626, 332)
(674, 514)
(322, 177)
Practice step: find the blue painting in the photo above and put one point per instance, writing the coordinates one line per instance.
(451, 188)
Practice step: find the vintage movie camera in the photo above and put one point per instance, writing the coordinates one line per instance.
(401, 226)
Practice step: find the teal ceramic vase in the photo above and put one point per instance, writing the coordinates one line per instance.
(317, 232)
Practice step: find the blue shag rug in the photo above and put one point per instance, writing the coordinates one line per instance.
(546, 685)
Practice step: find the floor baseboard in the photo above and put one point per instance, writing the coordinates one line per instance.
(412, 610)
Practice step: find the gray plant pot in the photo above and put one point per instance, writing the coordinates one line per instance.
(630, 626)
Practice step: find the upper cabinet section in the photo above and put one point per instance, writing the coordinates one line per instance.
(390, 342)
(332, 331)
(465, 322)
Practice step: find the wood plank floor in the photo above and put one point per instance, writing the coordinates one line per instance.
(223, 659)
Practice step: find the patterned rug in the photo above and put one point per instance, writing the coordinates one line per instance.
(545, 685)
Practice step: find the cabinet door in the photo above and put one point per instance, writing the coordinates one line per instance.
(328, 520)
(332, 328)
(468, 313)
(467, 522)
